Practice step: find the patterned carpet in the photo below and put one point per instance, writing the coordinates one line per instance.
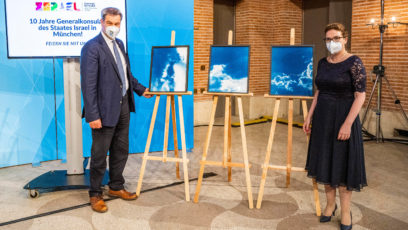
(222, 205)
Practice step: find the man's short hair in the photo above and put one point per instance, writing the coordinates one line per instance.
(110, 11)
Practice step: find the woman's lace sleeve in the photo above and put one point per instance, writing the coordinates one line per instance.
(358, 74)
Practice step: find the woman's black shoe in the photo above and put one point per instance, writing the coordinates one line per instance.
(347, 227)
(328, 218)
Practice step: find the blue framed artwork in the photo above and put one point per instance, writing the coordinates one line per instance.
(291, 71)
(169, 69)
(229, 69)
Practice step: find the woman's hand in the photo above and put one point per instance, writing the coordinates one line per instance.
(306, 126)
(344, 132)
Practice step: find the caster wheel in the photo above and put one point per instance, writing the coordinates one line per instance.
(33, 193)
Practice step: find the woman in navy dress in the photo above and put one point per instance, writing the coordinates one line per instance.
(336, 155)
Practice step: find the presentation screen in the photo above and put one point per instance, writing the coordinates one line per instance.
(55, 28)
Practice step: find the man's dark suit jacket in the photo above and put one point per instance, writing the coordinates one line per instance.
(101, 83)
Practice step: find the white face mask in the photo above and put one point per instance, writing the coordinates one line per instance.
(112, 31)
(334, 47)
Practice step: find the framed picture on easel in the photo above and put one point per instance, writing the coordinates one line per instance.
(229, 69)
(169, 69)
(291, 71)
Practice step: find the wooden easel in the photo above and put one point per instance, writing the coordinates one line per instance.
(169, 102)
(288, 166)
(226, 161)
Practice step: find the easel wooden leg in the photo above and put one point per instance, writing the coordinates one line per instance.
(206, 145)
(184, 149)
(315, 188)
(149, 140)
(289, 147)
(166, 128)
(230, 38)
(229, 144)
(268, 153)
(174, 123)
(227, 123)
(245, 153)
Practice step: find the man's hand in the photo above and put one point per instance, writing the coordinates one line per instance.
(147, 95)
(97, 124)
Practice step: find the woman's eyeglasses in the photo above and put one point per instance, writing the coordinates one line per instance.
(335, 39)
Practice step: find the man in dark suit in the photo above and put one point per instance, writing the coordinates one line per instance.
(107, 89)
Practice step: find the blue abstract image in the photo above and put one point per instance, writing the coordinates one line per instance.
(229, 69)
(292, 71)
(169, 69)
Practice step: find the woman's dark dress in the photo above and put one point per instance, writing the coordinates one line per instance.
(331, 161)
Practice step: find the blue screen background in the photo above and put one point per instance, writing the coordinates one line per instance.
(31, 131)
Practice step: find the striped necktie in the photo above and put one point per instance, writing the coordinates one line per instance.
(120, 67)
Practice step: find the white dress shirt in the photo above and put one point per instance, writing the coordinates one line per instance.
(122, 57)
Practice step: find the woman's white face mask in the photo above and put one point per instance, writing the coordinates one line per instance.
(334, 47)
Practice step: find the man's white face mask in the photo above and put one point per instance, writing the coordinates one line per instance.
(112, 31)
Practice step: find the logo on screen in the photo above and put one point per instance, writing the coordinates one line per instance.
(54, 6)
(89, 6)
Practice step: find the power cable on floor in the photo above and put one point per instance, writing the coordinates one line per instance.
(206, 175)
